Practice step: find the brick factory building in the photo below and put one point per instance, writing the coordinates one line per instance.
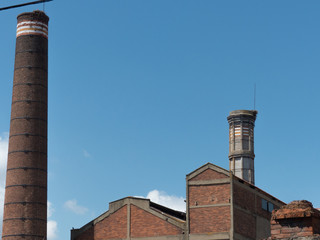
(220, 204)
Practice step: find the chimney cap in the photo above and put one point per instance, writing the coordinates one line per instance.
(35, 15)
(244, 112)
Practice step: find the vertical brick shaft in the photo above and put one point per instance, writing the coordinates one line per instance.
(241, 143)
(25, 208)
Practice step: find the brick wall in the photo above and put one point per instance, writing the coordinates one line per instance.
(142, 224)
(86, 235)
(209, 194)
(316, 225)
(260, 211)
(209, 174)
(209, 219)
(244, 198)
(145, 224)
(290, 228)
(245, 224)
(114, 226)
(250, 219)
(209, 202)
(297, 219)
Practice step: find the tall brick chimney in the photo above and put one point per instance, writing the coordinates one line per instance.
(241, 143)
(25, 205)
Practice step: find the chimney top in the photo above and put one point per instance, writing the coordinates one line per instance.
(35, 15)
(244, 112)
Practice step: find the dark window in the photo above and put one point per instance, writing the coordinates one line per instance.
(264, 204)
(268, 206)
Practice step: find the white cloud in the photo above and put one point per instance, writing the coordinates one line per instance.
(3, 156)
(52, 229)
(73, 206)
(86, 154)
(170, 201)
(50, 209)
(52, 226)
(3, 166)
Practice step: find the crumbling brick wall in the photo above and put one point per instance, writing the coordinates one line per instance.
(297, 220)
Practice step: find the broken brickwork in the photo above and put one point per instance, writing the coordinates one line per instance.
(297, 220)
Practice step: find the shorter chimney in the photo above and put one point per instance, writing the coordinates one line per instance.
(297, 220)
(241, 143)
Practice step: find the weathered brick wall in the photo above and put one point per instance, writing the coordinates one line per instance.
(86, 235)
(260, 211)
(209, 174)
(209, 219)
(247, 201)
(145, 224)
(112, 227)
(244, 224)
(206, 214)
(244, 198)
(316, 225)
(297, 219)
(209, 194)
(291, 227)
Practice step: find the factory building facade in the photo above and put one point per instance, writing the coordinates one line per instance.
(220, 204)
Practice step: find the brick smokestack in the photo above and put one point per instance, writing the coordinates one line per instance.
(241, 143)
(25, 205)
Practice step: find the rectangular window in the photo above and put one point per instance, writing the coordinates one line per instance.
(264, 204)
(268, 206)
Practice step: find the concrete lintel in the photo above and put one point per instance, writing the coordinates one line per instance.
(212, 205)
(221, 235)
(210, 182)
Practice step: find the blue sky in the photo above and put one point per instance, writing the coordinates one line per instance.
(139, 92)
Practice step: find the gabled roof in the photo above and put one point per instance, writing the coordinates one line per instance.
(143, 203)
(174, 217)
(205, 167)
